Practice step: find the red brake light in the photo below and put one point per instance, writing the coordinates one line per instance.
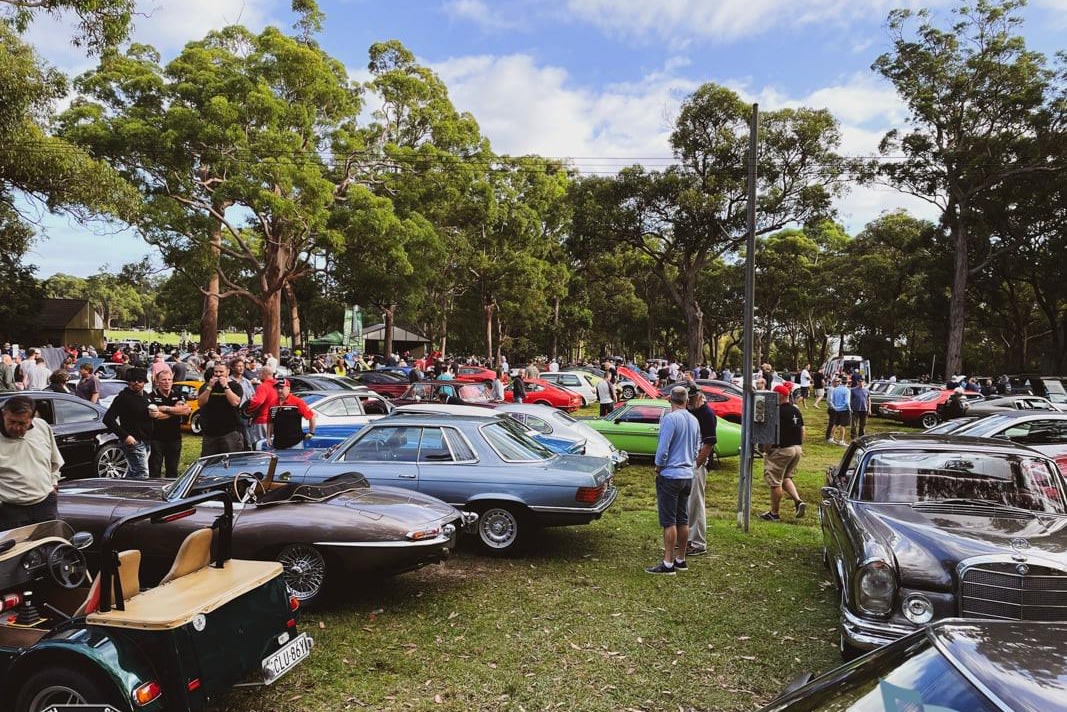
(194, 684)
(147, 692)
(589, 495)
(294, 603)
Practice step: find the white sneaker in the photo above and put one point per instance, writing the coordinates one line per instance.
(831, 441)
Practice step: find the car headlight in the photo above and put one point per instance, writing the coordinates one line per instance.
(918, 609)
(875, 586)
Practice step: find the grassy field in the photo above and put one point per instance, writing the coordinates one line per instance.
(171, 338)
(576, 624)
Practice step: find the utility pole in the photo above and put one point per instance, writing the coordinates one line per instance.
(744, 483)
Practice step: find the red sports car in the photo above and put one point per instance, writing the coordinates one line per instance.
(477, 374)
(390, 384)
(545, 393)
(922, 410)
(721, 397)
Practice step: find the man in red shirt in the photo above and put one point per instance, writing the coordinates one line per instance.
(286, 428)
(258, 407)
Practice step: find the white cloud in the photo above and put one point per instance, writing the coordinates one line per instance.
(724, 20)
(524, 107)
(166, 25)
(478, 12)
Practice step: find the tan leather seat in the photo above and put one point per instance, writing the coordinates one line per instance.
(193, 555)
(129, 577)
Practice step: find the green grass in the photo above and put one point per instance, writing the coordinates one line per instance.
(171, 338)
(575, 623)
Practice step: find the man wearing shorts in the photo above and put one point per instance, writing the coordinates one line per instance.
(840, 413)
(805, 386)
(781, 460)
(679, 440)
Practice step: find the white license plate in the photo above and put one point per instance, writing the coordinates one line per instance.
(287, 658)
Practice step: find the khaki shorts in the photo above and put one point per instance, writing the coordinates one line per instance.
(780, 463)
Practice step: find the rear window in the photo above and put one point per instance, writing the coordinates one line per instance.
(510, 441)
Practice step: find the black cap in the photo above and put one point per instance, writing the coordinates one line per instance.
(136, 374)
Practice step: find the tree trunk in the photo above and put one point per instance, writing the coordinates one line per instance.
(555, 329)
(444, 333)
(957, 306)
(270, 309)
(294, 317)
(389, 313)
(488, 307)
(499, 341)
(694, 317)
(209, 316)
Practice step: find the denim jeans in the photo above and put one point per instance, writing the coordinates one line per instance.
(137, 457)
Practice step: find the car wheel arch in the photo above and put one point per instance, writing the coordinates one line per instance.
(67, 657)
(503, 525)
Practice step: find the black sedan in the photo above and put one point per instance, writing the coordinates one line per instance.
(89, 449)
(978, 666)
(917, 528)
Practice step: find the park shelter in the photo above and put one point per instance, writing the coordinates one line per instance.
(64, 322)
(404, 340)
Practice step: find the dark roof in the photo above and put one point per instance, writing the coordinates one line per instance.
(57, 313)
(937, 441)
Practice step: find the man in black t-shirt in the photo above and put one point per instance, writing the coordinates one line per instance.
(165, 447)
(220, 418)
(698, 517)
(780, 462)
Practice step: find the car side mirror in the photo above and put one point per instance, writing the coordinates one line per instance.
(82, 540)
(830, 493)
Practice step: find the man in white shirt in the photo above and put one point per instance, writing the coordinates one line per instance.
(805, 386)
(29, 466)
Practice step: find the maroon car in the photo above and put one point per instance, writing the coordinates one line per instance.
(390, 384)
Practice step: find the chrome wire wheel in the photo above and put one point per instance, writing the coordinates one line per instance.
(498, 528)
(304, 571)
(111, 462)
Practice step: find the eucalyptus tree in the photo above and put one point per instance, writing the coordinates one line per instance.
(101, 23)
(691, 213)
(981, 106)
(242, 145)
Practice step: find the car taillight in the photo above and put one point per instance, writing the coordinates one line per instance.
(589, 495)
(420, 534)
(294, 604)
(147, 692)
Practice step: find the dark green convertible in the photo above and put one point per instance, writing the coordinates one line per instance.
(212, 623)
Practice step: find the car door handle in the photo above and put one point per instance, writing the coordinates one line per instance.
(407, 475)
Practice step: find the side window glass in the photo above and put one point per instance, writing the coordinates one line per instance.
(433, 447)
(45, 411)
(334, 408)
(461, 449)
(67, 412)
(538, 424)
(373, 406)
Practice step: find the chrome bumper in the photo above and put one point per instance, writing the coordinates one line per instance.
(470, 521)
(867, 634)
(620, 459)
(605, 502)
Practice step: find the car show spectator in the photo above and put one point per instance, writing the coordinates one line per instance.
(131, 419)
(8, 381)
(165, 448)
(531, 370)
(605, 396)
(805, 386)
(257, 409)
(679, 441)
(697, 514)
(57, 382)
(29, 465)
(239, 373)
(497, 385)
(838, 414)
(518, 388)
(782, 458)
(285, 428)
(860, 405)
(37, 374)
(88, 386)
(220, 420)
(818, 382)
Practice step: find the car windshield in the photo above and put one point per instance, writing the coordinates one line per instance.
(928, 396)
(904, 477)
(989, 424)
(911, 676)
(563, 417)
(216, 468)
(511, 442)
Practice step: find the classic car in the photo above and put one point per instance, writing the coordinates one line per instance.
(550, 422)
(919, 527)
(317, 530)
(306, 382)
(389, 383)
(922, 409)
(1051, 387)
(478, 374)
(898, 391)
(547, 393)
(1041, 430)
(487, 466)
(580, 383)
(634, 427)
(626, 388)
(972, 665)
(726, 402)
(469, 393)
(88, 448)
(1007, 404)
(212, 622)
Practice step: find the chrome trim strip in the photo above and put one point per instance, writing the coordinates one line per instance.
(387, 544)
(867, 634)
(599, 508)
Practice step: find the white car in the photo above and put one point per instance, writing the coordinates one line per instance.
(550, 421)
(346, 407)
(576, 381)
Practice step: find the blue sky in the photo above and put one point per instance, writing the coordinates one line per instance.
(594, 81)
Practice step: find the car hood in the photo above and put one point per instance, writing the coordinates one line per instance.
(928, 541)
(151, 490)
(399, 505)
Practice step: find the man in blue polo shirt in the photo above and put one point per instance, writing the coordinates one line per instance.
(679, 440)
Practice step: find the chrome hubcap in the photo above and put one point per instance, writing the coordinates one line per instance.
(112, 463)
(498, 528)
